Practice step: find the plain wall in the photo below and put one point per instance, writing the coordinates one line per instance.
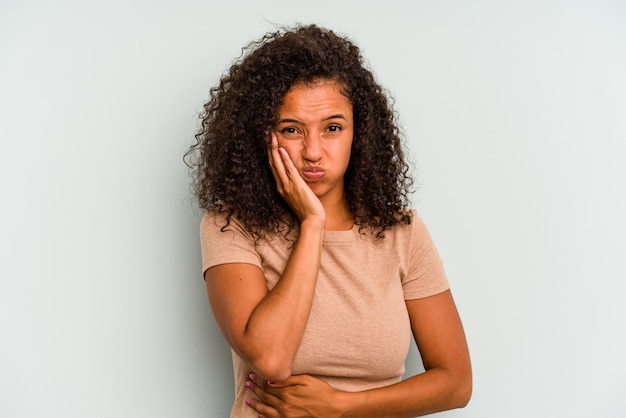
(514, 113)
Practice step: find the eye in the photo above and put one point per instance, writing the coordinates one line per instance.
(289, 130)
(334, 128)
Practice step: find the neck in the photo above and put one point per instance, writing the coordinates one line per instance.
(338, 215)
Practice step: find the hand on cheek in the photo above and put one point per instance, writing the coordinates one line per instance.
(291, 186)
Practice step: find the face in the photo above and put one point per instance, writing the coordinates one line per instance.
(315, 127)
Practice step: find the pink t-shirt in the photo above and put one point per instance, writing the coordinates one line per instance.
(358, 333)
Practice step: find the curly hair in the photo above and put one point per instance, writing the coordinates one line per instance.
(228, 160)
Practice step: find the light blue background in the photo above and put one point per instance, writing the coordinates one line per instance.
(514, 111)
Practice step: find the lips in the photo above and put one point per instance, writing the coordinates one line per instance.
(313, 173)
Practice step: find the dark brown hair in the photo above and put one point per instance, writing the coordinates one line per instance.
(229, 160)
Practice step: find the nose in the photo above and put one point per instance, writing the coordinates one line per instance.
(312, 150)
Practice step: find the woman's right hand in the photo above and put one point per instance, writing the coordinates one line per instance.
(292, 187)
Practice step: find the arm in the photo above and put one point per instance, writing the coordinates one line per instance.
(446, 383)
(265, 327)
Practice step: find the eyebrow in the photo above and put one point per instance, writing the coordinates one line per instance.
(336, 116)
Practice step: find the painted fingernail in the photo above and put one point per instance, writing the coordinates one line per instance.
(248, 402)
(247, 384)
(251, 376)
(269, 382)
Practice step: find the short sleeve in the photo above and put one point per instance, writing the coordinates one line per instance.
(425, 274)
(223, 244)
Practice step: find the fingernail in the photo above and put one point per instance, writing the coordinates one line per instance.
(269, 382)
(248, 402)
(251, 376)
(247, 384)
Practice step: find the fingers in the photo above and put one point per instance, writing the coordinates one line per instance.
(272, 149)
(289, 184)
(280, 161)
(265, 411)
(268, 403)
(285, 172)
(264, 385)
(290, 168)
(276, 160)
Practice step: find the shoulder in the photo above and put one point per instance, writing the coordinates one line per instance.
(413, 237)
(218, 225)
(224, 240)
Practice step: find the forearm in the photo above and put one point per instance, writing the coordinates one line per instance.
(432, 391)
(275, 327)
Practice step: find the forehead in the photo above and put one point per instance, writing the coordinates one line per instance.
(315, 96)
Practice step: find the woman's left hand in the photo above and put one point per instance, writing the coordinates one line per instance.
(300, 396)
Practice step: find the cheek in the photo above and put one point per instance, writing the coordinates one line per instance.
(293, 148)
(345, 153)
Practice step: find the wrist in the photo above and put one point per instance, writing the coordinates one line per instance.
(343, 401)
(313, 223)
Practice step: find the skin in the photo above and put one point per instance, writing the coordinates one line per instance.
(308, 155)
(315, 128)
(314, 131)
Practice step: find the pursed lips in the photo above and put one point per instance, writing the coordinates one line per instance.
(313, 173)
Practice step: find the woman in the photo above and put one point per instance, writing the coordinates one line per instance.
(316, 271)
